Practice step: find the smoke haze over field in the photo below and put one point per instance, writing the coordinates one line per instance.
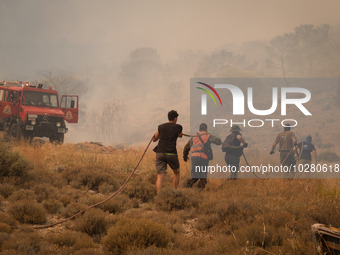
(137, 57)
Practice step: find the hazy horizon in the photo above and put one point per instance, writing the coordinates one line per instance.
(142, 54)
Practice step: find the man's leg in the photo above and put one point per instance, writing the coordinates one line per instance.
(159, 182)
(191, 182)
(176, 179)
(204, 175)
(194, 177)
(202, 183)
(234, 164)
(161, 169)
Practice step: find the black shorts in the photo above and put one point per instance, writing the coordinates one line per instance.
(164, 159)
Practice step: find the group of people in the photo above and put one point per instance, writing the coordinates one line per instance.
(200, 147)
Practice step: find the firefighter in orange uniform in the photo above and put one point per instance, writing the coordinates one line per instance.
(200, 146)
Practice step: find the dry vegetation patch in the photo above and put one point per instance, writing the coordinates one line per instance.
(229, 217)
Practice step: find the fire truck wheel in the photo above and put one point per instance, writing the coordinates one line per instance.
(13, 130)
(58, 139)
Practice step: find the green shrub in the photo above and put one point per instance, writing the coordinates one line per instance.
(92, 222)
(135, 234)
(170, 199)
(28, 211)
(12, 163)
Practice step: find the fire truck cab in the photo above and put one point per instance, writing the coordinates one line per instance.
(28, 111)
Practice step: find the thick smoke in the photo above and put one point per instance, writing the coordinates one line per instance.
(131, 62)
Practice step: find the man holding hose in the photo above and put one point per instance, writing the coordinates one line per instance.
(166, 152)
(287, 147)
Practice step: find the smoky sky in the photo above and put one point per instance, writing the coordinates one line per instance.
(139, 53)
(79, 35)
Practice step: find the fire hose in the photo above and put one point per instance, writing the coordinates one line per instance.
(103, 201)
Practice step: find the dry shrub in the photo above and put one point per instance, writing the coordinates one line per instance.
(28, 211)
(206, 222)
(72, 209)
(326, 212)
(278, 219)
(44, 191)
(65, 199)
(119, 204)
(12, 163)
(22, 194)
(135, 234)
(255, 235)
(106, 188)
(151, 250)
(91, 177)
(5, 218)
(3, 237)
(169, 200)
(229, 210)
(92, 222)
(6, 189)
(5, 228)
(71, 239)
(137, 188)
(88, 251)
(24, 241)
(52, 206)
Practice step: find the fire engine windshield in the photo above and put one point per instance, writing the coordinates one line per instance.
(40, 99)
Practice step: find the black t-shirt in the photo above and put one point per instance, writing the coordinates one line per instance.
(168, 134)
(306, 150)
(231, 140)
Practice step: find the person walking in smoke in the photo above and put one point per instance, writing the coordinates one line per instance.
(287, 147)
(201, 153)
(307, 151)
(234, 150)
(166, 152)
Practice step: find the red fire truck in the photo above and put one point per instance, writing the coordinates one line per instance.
(28, 111)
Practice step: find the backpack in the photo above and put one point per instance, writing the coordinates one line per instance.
(229, 143)
(206, 148)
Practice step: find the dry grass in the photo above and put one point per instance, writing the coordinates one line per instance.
(247, 216)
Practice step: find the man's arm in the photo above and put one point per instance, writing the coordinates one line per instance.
(215, 140)
(186, 151)
(180, 135)
(241, 140)
(155, 137)
(314, 156)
